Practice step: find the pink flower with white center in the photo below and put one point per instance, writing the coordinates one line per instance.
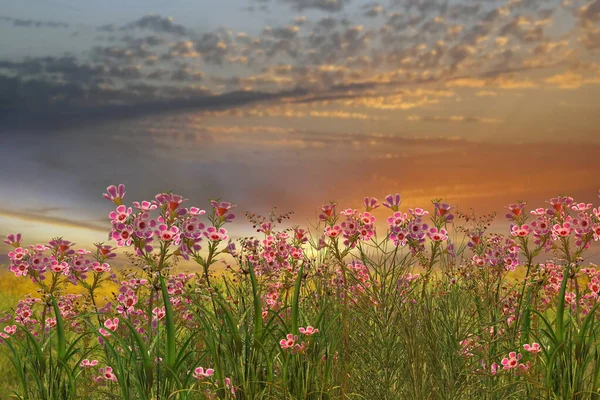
(308, 331)
(122, 234)
(88, 364)
(596, 230)
(10, 330)
(480, 262)
(520, 231)
(541, 226)
(538, 211)
(371, 203)
(17, 254)
(288, 342)
(145, 205)
(229, 385)
(582, 207)
(115, 194)
(516, 210)
(332, 231)
(563, 230)
(437, 236)
(393, 202)
(327, 211)
(107, 373)
(418, 212)
(120, 215)
(222, 210)
(215, 235)
(533, 348)
(13, 240)
(200, 373)
(166, 233)
(512, 361)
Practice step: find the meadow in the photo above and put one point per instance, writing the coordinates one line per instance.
(434, 306)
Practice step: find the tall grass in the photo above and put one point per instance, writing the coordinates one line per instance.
(335, 312)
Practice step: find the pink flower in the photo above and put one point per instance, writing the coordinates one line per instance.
(332, 232)
(516, 210)
(121, 214)
(392, 202)
(512, 361)
(520, 231)
(200, 373)
(107, 374)
(87, 363)
(115, 194)
(145, 205)
(17, 254)
(288, 342)
(563, 230)
(327, 211)
(308, 331)
(11, 330)
(582, 207)
(371, 203)
(222, 209)
(13, 240)
(443, 210)
(533, 348)
(418, 212)
(112, 324)
(437, 236)
(494, 369)
(216, 235)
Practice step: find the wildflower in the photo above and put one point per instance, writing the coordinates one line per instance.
(200, 373)
(87, 363)
(13, 240)
(288, 342)
(533, 348)
(121, 214)
(512, 360)
(145, 205)
(437, 236)
(392, 202)
(443, 210)
(115, 194)
(10, 330)
(520, 231)
(371, 203)
(222, 209)
(107, 374)
(516, 210)
(327, 211)
(333, 232)
(308, 331)
(216, 235)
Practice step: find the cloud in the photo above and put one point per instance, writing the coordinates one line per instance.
(323, 5)
(158, 24)
(453, 118)
(571, 80)
(30, 23)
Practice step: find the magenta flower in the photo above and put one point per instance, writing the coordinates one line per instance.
(392, 202)
(327, 211)
(10, 330)
(121, 214)
(418, 212)
(443, 210)
(512, 361)
(399, 237)
(17, 254)
(115, 194)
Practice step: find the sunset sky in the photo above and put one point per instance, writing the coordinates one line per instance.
(292, 103)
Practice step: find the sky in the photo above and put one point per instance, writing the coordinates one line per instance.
(292, 103)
